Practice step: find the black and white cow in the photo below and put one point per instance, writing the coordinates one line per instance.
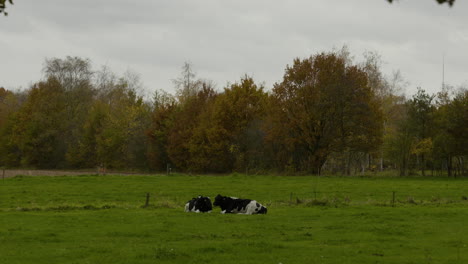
(199, 204)
(239, 206)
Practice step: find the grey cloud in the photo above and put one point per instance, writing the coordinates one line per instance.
(225, 39)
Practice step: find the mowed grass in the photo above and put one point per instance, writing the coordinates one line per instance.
(101, 219)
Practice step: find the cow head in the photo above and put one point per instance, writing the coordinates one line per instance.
(219, 200)
(204, 204)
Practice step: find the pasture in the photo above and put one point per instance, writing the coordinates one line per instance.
(102, 219)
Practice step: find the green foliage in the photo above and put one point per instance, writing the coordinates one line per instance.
(38, 129)
(114, 133)
(457, 129)
(449, 2)
(84, 155)
(186, 118)
(9, 105)
(431, 134)
(69, 121)
(229, 137)
(420, 121)
(451, 138)
(3, 6)
(398, 147)
(158, 133)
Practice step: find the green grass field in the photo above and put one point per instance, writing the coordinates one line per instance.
(100, 219)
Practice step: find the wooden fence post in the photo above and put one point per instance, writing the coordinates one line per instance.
(168, 169)
(393, 199)
(147, 199)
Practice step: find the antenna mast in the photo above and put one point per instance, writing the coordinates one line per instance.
(443, 72)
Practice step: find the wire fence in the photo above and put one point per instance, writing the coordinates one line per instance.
(7, 173)
(388, 198)
(323, 192)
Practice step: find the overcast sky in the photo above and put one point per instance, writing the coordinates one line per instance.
(226, 39)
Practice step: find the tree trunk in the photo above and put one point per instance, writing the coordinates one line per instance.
(343, 163)
(449, 166)
(403, 166)
(463, 172)
(369, 161)
(348, 164)
(423, 166)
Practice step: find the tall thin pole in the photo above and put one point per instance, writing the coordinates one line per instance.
(443, 72)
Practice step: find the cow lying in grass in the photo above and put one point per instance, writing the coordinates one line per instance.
(238, 206)
(199, 204)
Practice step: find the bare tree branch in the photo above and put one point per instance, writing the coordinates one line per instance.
(449, 2)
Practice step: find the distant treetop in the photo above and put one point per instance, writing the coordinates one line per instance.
(3, 6)
(450, 2)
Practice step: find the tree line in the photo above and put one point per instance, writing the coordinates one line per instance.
(328, 114)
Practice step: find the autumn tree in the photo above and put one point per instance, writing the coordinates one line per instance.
(229, 136)
(240, 110)
(75, 76)
(114, 130)
(388, 92)
(457, 129)
(164, 106)
(10, 103)
(39, 129)
(451, 140)
(411, 144)
(322, 106)
(122, 141)
(185, 119)
(398, 144)
(430, 134)
(84, 153)
(421, 122)
(75, 120)
(106, 117)
(7, 105)
(173, 125)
